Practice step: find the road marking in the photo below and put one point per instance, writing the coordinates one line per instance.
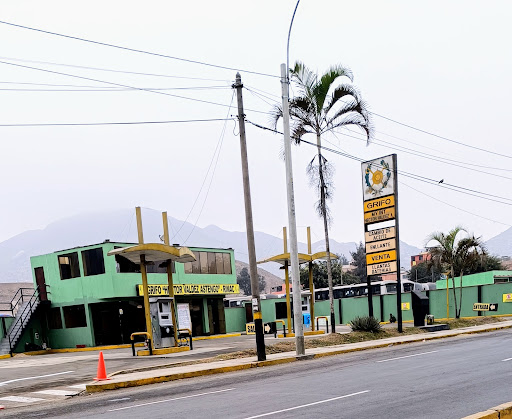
(3, 383)
(170, 400)
(119, 400)
(307, 405)
(508, 359)
(406, 356)
(21, 399)
(58, 392)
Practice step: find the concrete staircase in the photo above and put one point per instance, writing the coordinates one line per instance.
(23, 311)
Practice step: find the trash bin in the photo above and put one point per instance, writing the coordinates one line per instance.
(430, 319)
(307, 319)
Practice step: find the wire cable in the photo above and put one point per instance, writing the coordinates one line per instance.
(217, 147)
(453, 206)
(441, 137)
(459, 189)
(111, 70)
(72, 124)
(76, 38)
(121, 85)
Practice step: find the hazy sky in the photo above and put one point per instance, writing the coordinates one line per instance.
(440, 66)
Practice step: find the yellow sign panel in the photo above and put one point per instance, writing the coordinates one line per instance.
(481, 307)
(381, 257)
(381, 268)
(190, 289)
(379, 203)
(380, 246)
(250, 329)
(379, 234)
(507, 298)
(379, 215)
(406, 306)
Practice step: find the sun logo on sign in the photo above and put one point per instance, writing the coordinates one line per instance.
(376, 180)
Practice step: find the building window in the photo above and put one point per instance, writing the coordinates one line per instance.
(212, 266)
(54, 318)
(227, 263)
(68, 265)
(209, 263)
(74, 316)
(159, 268)
(281, 312)
(92, 261)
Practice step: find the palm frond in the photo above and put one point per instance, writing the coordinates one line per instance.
(340, 92)
(324, 85)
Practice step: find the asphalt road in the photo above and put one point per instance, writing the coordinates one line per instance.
(25, 373)
(448, 378)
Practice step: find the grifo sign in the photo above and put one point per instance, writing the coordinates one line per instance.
(380, 205)
(380, 217)
(190, 289)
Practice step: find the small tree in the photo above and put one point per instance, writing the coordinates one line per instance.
(244, 280)
(359, 261)
(457, 256)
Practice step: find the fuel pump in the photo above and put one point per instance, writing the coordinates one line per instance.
(161, 322)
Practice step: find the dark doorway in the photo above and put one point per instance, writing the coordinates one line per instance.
(196, 316)
(248, 313)
(115, 321)
(41, 284)
(216, 316)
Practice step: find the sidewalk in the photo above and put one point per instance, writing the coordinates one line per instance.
(160, 375)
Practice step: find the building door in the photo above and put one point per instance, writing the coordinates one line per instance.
(41, 284)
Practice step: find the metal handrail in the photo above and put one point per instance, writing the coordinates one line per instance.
(186, 335)
(148, 339)
(284, 328)
(326, 323)
(14, 305)
(22, 317)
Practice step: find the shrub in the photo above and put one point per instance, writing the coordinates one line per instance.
(365, 324)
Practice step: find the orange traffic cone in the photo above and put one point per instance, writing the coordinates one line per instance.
(102, 372)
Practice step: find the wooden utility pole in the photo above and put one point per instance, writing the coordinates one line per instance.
(253, 270)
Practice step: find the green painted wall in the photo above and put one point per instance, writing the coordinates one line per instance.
(111, 285)
(494, 294)
(482, 278)
(235, 319)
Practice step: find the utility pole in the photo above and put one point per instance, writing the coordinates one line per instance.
(294, 255)
(253, 270)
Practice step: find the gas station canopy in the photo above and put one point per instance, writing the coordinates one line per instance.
(154, 252)
(303, 258)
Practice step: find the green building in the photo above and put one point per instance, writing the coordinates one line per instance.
(91, 299)
(482, 278)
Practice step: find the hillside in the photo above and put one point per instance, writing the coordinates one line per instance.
(120, 226)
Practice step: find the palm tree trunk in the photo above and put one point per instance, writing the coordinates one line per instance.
(454, 293)
(460, 293)
(323, 210)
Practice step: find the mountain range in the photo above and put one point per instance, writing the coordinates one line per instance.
(120, 225)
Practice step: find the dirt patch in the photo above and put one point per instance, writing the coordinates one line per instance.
(323, 341)
(474, 321)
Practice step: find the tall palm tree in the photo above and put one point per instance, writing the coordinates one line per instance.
(323, 104)
(456, 255)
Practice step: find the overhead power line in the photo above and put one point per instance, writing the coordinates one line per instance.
(137, 73)
(67, 124)
(453, 206)
(441, 137)
(452, 187)
(120, 85)
(105, 44)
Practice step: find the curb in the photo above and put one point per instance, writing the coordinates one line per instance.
(98, 387)
(503, 411)
(227, 335)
